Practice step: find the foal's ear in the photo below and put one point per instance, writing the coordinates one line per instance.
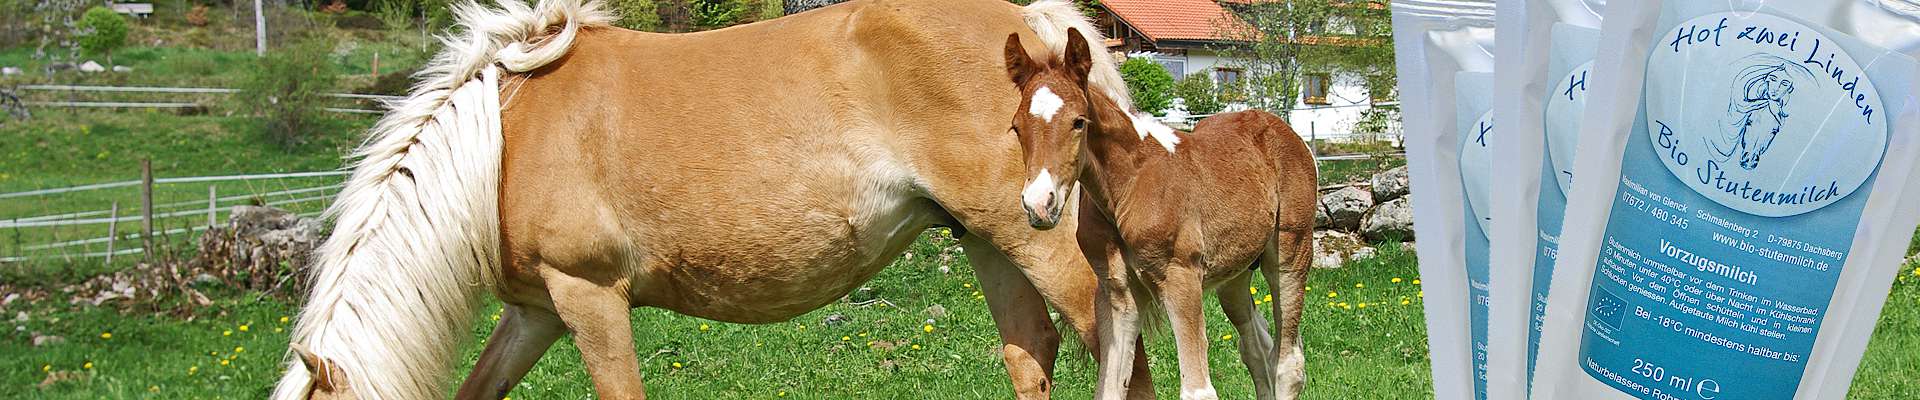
(1019, 65)
(1079, 57)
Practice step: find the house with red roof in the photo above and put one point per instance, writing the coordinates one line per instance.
(1186, 36)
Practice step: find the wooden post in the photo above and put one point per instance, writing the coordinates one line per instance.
(376, 65)
(146, 207)
(213, 202)
(113, 230)
(259, 30)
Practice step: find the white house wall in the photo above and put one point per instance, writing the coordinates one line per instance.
(1331, 122)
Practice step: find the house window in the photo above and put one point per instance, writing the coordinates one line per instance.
(1313, 89)
(1175, 66)
(1226, 76)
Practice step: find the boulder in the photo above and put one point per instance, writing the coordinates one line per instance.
(10, 70)
(1346, 207)
(1391, 220)
(91, 66)
(1332, 249)
(1390, 185)
(122, 68)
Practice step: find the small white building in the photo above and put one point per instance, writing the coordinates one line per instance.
(1183, 35)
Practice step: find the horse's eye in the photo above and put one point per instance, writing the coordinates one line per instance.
(1079, 123)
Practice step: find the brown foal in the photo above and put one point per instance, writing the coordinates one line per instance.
(1167, 216)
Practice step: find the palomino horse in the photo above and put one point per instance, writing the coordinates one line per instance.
(747, 174)
(1167, 215)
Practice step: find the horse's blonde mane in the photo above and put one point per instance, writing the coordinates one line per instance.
(1050, 19)
(415, 241)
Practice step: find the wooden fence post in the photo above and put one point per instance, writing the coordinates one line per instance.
(146, 207)
(113, 230)
(213, 201)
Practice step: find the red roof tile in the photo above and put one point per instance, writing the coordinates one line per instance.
(1173, 19)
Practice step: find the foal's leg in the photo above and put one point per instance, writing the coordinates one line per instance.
(1286, 264)
(597, 314)
(1028, 340)
(524, 334)
(1181, 290)
(1256, 345)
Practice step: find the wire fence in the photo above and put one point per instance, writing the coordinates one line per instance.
(107, 219)
(378, 101)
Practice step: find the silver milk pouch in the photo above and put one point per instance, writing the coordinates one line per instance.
(1435, 42)
(1743, 200)
(1544, 72)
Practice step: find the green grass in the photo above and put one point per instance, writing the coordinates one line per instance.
(1378, 351)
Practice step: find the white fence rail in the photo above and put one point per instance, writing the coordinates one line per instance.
(382, 99)
(68, 234)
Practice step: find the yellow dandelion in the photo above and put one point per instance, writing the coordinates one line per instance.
(916, 347)
(243, 328)
(967, 285)
(1330, 304)
(1226, 337)
(239, 350)
(278, 330)
(1422, 294)
(927, 329)
(846, 338)
(1363, 305)
(1256, 302)
(213, 353)
(1253, 290)
(803, 327)
(283, 319)
(88, 365)
(224, 363)
(676, 365)
(1333, 294)
(1396, 280)
(1268, 299)
(1916, 272)
(704, 327)
(1416, 281)
(496, 317)
(863, 334)
(1344, 306)
(1404, 302)
(153, 389)
(228, 332)
(783, 393)
(106, 335)
(869, 343)
(46, 367)
(1309, 288)
(192, 370)
(1359, 285)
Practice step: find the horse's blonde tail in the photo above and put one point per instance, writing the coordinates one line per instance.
(1050, 19)
(416, 229)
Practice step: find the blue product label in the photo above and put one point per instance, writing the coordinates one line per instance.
(1475, 119)
(1741, 187)
(1572, 61)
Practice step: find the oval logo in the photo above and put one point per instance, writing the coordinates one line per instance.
(1476, 165)
(1762, 114)
(1564, 111)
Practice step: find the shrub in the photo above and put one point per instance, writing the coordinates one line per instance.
(716, 14)
(1148, 83)
(197, 16)
(105, 31)
(639, 15)
(1199, 93)
(287, 90)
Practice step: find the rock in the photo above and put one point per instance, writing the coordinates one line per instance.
(47, 340)
(835, 319)
(1390, 185)
(1346, 207)
(937, 311)
(10, 71)
(255, 247)
(1331, 249)
(91, 66)
(1320, 219)
(122, 68)
(1391, 220)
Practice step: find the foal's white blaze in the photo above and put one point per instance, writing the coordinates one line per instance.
(1146, 126)
(1039, 191)
(1045, 104)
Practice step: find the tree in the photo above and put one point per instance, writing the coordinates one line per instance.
(1149, 84)
(1199, 93)
(639, 15)
(105, 31)
(716, 14)
(1276, 41)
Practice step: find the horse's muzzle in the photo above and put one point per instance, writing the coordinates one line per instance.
(1045, 218)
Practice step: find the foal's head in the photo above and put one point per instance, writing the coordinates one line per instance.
(1052, 123)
